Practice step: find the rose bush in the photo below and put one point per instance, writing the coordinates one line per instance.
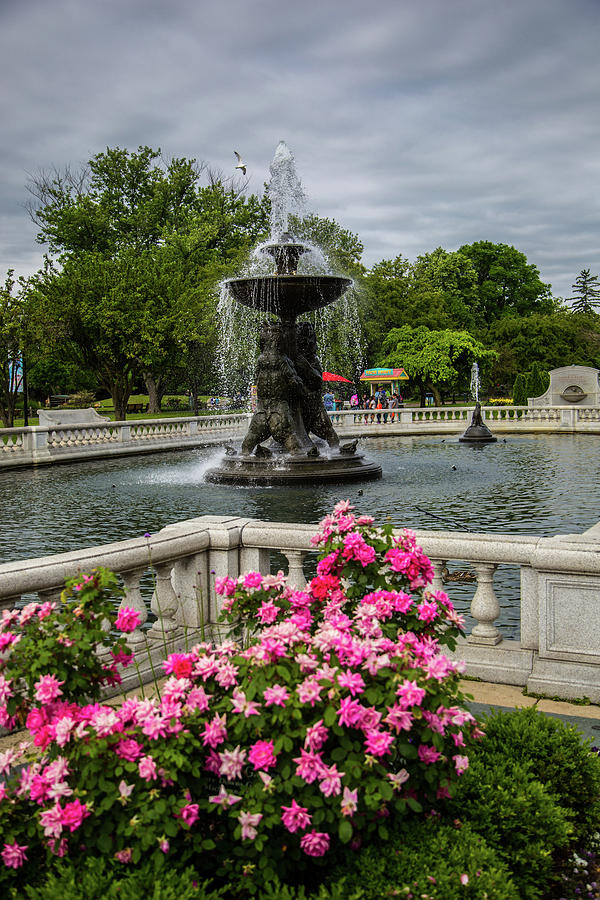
(340, 718)
(57, 653)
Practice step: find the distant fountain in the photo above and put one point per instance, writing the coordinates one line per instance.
(289, 374)
(477, 432)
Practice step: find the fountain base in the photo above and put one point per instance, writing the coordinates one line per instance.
(282, 468)
(477, 432)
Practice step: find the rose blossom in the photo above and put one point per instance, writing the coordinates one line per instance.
(261, 755)
(461, 763)
(295, 817)
(189, 813)
(147, 768)
(252, 580)
(127, 619)
(349, 802)
(276, 695)
(249, 821)
(315, 844)
(428, 754)
(14, 855)
(47, 688)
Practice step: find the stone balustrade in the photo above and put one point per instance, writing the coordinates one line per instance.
(47, 444)
(44, 445)
(171, 574)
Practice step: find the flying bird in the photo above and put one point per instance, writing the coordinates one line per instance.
(241, 165)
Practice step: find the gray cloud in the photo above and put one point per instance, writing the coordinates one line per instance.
(414, 124)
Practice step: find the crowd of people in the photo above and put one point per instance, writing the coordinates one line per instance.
(382, 405)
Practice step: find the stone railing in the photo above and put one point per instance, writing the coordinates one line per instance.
(44, 445)
(171, 575)
(454, 420)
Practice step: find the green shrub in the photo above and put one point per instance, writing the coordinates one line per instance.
(100, 879)
(174, 403)
(337, 890)
(555, 755)
(430, 861)
(516, 816)
(538, 381)
(520, 390)
(82, 399)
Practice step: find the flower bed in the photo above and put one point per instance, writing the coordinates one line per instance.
(339, 723)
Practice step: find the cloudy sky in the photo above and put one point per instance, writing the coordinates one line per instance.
(415, 123)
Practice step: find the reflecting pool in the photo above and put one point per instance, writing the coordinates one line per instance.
(534, 484)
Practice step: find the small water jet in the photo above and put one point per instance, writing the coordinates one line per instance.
(289, 374)
(477, 432)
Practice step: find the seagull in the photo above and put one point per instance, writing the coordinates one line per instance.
(241, 165)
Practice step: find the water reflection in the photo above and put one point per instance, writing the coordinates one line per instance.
(538, 484)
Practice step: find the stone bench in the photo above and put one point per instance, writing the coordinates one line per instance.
(51, 417)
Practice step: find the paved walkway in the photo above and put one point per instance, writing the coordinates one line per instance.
(488, 696)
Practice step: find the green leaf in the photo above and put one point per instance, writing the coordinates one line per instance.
(330, 716)
(345, 831)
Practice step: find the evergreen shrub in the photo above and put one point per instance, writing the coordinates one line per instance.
(516, 816)
(100, 879)
(553, 754)
(538, 381)
(435, 860)
(520, 390)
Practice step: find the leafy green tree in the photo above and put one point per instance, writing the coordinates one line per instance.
(435, 361)
(586, 290)
(140, 245)
(342, 249)
(450, 281)
(386, 287)
(506, 283)
(554, 340)
(438, 291)
(12, 337)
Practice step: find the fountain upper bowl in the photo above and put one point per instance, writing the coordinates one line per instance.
(288, 296)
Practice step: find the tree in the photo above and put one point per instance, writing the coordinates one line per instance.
(12, 336)
(586, 289)
(435, 361)
(519, 391)
(538, 381)
(342, 249)
(437, 291)
(386, 286)
(506, 283)
(554, 340)
(137, 242)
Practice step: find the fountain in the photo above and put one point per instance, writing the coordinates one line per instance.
(477, 433)
(289, 374)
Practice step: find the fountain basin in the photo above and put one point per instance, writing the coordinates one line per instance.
(288, 296)
(285, 469)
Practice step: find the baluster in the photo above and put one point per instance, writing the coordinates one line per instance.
(164, 603)
(437, 583)
(133, 598)
(485, 607)
(295, 560)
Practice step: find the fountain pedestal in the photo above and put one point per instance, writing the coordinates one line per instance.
(477, 432)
